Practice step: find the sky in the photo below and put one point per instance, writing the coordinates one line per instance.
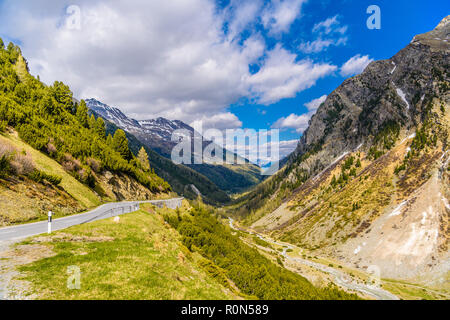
(257, 64)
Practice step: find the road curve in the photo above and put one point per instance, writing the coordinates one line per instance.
(102, 212)
(340, 278)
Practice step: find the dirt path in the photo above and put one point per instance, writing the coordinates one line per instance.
(11, 256)
(7, 272)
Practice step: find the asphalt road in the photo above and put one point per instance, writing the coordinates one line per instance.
(102, 212)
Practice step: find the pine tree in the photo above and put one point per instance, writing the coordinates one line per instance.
(100, 127)
(109, 140)
(333, 181)
(143, 159)
(82, 113)
(120, 144)
(92, 122)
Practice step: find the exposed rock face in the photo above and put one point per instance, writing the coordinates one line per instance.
(396, 89)
(377, 157)
(120, 187)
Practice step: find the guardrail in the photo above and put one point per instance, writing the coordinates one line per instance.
(128, 208)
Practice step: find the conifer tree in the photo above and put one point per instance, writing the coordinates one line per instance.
(82, 113)
(100, 127)
(92, 122)
(143, 159)
(120, 144)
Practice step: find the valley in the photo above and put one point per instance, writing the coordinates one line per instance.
(359, 210)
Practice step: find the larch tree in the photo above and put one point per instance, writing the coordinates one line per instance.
(143, 159)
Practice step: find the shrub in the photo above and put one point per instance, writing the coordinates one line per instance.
(51, 149)
(39, 176)
(70, 164)
(3, 125)
(4, 165)
(94, 164)
(22, 163)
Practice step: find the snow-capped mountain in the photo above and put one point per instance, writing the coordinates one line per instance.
(112, 114)
(157, 135)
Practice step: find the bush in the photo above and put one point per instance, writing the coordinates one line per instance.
(4, 166)
(94, 164)
(22, 163)
(14, 162)
(39, 176)
(51, 149)
(3, 125)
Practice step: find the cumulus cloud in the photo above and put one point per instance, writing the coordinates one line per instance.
(293, 121)
(300, 122)
(280, 14)
(242, 14)
(314, 104)
(355, 65)
(329, 32)
(172, 59)
(284, 147)
(282, 76)
(220, 121)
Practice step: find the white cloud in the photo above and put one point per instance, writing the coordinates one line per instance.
(280, 14)
(282, 76)
(293, 121)
(320, 44)
(284, 147)
(221, 121)
(329, 33)
(330, 25)
(314, 104)
(355, 65)
(241, 14)
(170, 59)
(300, 122)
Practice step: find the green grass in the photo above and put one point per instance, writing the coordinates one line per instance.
(76, 189)
(409, 291)
(145, 260)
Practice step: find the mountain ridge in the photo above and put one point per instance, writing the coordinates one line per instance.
(157, 135)
(374, 156)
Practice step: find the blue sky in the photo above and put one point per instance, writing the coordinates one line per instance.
(224, 63)
(400, 21)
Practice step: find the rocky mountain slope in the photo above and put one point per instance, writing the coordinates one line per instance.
(157, 135)
(369, 181)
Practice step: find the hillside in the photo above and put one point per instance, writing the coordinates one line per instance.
(54, 156)
(369, 181)
(156, 134)
(150, 263)
(158, 253)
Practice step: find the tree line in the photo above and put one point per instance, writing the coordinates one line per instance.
(52, 121)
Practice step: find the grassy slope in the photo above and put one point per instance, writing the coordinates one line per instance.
(76, 189)
(144, 261)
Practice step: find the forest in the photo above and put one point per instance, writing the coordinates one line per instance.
(253, 274)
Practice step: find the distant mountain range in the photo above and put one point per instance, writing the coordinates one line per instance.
(156, 134)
